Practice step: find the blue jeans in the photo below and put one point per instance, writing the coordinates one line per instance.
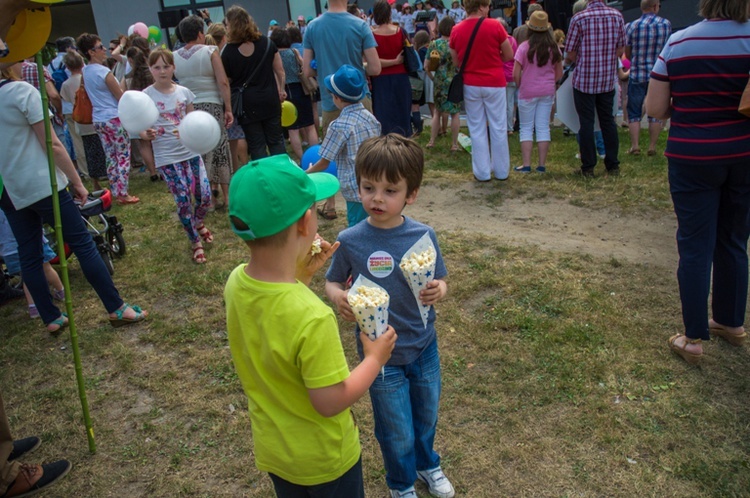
(405, 407)
(588, 104)
(349, 485)
(712, 204)
(26, 225)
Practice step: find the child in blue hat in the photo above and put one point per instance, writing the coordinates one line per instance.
(345, 134)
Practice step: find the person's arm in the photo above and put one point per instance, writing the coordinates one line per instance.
(223, 83)
(123, 85)
(307, 267)
(332, 400)
(336, 292)
(307, 58)
(570, 57)
(454, 58)
(117, 52)
(392, 62)
(278, 72)
(319, 166)
(373, 61)
(113, 86)
(62, 161)
(628, 53)
(517, 70)
(558, 71)
(620, 51)
(659, 99)
(54, 98)
(507, 51)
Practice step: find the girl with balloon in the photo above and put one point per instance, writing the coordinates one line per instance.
(182, 168)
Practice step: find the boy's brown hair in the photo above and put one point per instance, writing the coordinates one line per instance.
(393, 157)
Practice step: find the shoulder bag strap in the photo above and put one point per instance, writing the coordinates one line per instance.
(257, 68)
(471, 42)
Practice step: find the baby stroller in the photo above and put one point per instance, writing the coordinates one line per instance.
(104, 228)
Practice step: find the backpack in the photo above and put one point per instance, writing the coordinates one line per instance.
(59, 76)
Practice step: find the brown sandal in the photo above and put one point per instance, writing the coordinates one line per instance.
(690, 358)
(634, 152)
(328, 213)
(733, 338)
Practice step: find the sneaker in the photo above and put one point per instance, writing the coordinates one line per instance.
(33, 312)
(59, 295)
(438, 484)
(23, 446)
(584, 174)
(541, 169)
(522, 169)
(33, 478)
(407, 493)
(601, 156)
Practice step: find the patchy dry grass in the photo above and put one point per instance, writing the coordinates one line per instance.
(556, 376)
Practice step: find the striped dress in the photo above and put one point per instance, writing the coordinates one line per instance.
(707, 67)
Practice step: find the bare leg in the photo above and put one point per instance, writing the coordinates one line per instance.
(543, 148)
(225, 191)
(654, 129)
(635, 131)
(147, 153)
(296, 142)
(434, 128)
(312, 135)
(52, 277)
(526, 147)
(455, 127)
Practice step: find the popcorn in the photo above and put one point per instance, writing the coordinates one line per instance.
(418, 267)
(369, 304)
(367, 297)
(418, 262)
(315, 249)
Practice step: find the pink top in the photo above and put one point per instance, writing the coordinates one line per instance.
(535, 81)
(508, 66)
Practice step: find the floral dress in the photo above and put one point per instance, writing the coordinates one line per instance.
(443, 76)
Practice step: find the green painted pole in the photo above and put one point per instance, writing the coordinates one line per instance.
(63, 259)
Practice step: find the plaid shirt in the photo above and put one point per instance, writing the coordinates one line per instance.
(344, 136)
(595, 34)
(30, 75)
(646, 37)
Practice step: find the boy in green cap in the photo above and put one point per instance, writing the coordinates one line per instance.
(285, 341)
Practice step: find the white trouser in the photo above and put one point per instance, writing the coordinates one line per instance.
(534, 115)
(511, 92)
(485, 108)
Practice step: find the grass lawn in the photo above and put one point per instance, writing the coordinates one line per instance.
(556, 376)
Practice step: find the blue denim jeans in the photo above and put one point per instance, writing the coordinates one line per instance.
(26, 225)
(405, 407)
(712, 204)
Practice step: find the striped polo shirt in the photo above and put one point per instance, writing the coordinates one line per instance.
(707, 67)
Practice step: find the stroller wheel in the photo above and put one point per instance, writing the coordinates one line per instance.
(117, 243)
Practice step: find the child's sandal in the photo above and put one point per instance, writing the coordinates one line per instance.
(57, 325)
(205, 234)
(199, 256)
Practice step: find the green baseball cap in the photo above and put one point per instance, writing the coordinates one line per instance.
(271, 194)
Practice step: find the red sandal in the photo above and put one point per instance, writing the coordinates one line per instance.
(205, 234)
(199, 256)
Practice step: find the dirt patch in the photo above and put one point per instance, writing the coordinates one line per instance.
(551, 224)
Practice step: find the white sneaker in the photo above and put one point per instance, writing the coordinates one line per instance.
(601, 156)
(407, 493)
(438, 484)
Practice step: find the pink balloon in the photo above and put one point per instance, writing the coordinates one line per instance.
(141, 29)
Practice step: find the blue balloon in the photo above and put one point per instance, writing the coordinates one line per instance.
(312, 156)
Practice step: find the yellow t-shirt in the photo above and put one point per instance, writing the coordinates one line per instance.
(284, 340)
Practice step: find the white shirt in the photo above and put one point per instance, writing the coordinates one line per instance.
(23, 163)
(104, 104)
(172, 108)
(194, 70)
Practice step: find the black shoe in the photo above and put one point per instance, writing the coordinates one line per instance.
(613, 172)
(34, 478)
(584, 173)
(23, 446)
(155, 178)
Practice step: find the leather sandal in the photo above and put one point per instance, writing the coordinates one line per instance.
(199, 256)
(634, 152)
(205, 234)
(121, 320)
(690, 358)
(733, 338)
(327, 213)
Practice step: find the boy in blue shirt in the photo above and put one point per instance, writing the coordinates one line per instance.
(345, 134)
(284, 340)
(404, 399)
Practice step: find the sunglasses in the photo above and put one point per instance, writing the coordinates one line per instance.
(99, 47)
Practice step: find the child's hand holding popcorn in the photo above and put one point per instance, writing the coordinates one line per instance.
(320, 252)
(433, 292)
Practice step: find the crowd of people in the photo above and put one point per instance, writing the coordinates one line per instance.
(363, 78)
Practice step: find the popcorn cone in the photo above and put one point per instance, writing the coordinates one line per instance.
(418, 267)
(369, 303)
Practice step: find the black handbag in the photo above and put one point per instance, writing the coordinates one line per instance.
(412, 63)
(456, 88)
(238, 108)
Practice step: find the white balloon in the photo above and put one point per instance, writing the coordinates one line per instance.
(137, 112)
(199, 132)
(131, 29)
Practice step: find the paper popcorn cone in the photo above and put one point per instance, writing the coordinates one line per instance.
(369, 302)
(418, 267)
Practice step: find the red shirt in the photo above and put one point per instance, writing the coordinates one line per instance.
(485, 64)
(389, 46)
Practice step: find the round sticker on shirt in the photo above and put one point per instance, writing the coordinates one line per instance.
(380, 264)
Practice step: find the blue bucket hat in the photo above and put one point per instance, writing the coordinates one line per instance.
(348, 83)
